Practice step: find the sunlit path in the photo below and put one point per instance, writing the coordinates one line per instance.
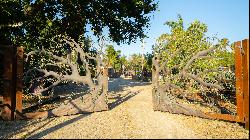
(131, 116)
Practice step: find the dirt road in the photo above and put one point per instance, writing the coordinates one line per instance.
(131, 116)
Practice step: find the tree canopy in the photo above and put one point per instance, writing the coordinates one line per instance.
(40, 20)
(35, 23)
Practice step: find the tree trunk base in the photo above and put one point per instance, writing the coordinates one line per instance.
(166, 103)
(181, 109)
(79, 105)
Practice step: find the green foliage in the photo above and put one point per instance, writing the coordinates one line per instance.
(113, 57)
(135, 63)
(11, 16)
(41, 20)
(138, 61)
(123, 60)
(187, 42)
(178, 47)
(148, 58)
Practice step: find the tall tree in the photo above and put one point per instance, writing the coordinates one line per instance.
(135, 62)
(113, 56)
(123, 63)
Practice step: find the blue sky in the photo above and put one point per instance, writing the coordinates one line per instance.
(226, 18)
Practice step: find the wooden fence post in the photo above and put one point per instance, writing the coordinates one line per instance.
(239, 81)
(19, 78)
(245, 64)
(12, 81)
(8, 52)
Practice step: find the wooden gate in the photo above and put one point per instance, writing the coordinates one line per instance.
(163, 103)
(242, 85)
(12, 79)
(12, 85)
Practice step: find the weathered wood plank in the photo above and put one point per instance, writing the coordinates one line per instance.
(239, 80)
(245, 64)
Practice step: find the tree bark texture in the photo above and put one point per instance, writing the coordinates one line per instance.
(95, 100)
(163, 88)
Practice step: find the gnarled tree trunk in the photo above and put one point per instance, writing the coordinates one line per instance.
(95, 100)
(162, 92)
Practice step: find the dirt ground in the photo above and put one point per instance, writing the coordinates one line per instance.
(130, 116)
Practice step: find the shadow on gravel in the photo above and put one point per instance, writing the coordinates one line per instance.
(118, 84)
(120, 99)
(11, 128)
(56, 127)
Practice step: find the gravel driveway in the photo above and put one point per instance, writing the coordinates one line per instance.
(130, 116)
